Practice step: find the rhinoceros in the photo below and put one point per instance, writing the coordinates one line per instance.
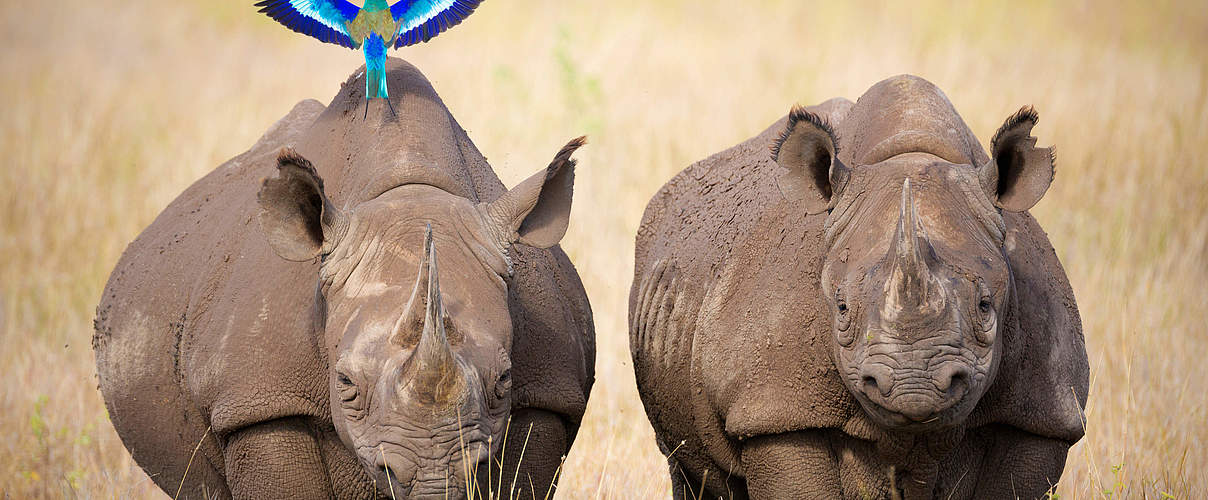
(284, 330)
(868, 311)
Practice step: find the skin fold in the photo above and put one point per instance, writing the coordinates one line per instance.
(865, 311)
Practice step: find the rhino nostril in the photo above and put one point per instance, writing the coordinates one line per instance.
(870, 382)
(389, 474)
(954, 381)
(876, 378)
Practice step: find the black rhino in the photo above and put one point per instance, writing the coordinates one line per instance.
(307, 331)
(867, 312)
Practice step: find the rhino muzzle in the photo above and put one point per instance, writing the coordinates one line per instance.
(920, 396)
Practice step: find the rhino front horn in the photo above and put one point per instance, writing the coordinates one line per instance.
(910, 279)
(433, 373)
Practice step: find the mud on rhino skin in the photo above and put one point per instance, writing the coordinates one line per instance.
(358, 315)
(864, 307)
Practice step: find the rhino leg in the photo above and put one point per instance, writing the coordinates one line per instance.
(862, 474)
(539, 453)
(1019, 464)
(775, 465)
(276, 459)
(680, 486)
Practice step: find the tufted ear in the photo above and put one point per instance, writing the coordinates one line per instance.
(537, 211)
(1019, 173)
(807, 149)
(295, 215)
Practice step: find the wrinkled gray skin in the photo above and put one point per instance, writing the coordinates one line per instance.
(867, 311)
(358, 318)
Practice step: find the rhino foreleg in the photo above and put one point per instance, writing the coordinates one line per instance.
(537, 442)
(775, 466)
(276, 459)
(1019, 464)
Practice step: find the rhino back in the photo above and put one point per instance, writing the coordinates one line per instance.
(360, 158)
(904, 114)
(158, 303)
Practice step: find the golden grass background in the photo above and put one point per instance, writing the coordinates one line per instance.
(109, 109)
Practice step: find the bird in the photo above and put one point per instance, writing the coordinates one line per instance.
(373, 28)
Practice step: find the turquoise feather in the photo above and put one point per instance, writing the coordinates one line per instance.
(375, 67)
(373, 28)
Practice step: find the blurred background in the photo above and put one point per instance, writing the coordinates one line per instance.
(109, 109)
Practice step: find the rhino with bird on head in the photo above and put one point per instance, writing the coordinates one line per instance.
(868, 312)
(295, 337)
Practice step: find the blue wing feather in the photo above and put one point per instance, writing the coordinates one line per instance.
(321, 19)
(420, 20)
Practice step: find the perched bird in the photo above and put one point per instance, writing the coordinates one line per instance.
(373, 28)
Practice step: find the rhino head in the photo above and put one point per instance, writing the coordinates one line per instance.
(915, 270)
(418, 354)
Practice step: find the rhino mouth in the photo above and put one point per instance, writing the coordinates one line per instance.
(914, 411)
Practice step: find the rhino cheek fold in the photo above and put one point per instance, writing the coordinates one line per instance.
(846, 337)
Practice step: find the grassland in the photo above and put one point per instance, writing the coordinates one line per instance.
(109, 109)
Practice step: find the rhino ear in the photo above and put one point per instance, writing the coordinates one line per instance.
(807, 149)
(1019, 173)
(537, 211)
(295, 215)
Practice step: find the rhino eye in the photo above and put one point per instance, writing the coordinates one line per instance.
(841, 306)
(843, 321)
(348, 390)
(504, 384)
(989, 321)
(350, 396)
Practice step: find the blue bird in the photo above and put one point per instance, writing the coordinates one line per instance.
(373, 28)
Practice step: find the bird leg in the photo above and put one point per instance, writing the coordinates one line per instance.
(388, 103)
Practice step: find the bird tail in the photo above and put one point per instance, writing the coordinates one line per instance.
(375, 82)
(375, 68)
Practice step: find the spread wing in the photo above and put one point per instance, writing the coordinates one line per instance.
(325, 20)
(420, 20)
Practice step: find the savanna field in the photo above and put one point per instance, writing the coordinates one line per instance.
(109, 109)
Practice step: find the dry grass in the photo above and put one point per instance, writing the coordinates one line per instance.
(111, 108)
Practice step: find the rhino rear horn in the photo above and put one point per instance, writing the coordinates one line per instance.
(433, 372)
